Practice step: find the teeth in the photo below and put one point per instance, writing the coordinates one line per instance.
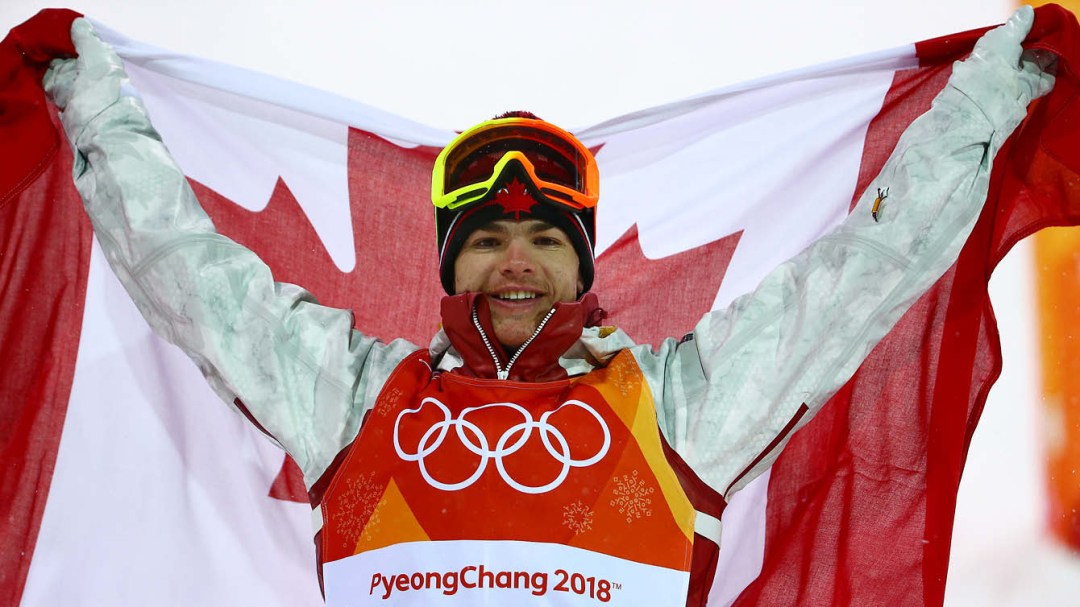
(516, 295)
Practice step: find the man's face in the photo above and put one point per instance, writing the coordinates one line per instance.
(524, 268)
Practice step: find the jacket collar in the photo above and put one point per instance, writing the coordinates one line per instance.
(539, 361)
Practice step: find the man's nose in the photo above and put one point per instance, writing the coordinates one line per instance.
(517, 259)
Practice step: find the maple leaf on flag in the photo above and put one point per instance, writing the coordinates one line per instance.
(652, 299)
(394, 289)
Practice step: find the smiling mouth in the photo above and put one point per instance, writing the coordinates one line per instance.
(515, 295)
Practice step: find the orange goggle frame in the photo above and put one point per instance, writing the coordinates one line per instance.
(561, 167)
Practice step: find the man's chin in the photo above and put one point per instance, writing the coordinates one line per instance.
(511, 344)
(512, 335)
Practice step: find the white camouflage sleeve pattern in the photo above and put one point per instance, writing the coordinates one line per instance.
(300, 369)
(736, 391)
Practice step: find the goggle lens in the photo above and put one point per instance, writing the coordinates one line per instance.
(549, 165)
(559, 165)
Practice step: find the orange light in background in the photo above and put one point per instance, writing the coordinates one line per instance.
(1057, 261)
(1057, 271)
(1057, 289)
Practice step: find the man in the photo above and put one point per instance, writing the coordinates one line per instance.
(552, 459)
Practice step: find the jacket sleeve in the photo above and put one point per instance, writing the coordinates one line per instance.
(730, 395)
(298, 369)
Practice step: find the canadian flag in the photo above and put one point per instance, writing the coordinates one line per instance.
(125, 481)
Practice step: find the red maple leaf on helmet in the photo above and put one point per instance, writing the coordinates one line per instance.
(514, 198)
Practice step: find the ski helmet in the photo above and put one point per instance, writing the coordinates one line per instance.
(515, 166)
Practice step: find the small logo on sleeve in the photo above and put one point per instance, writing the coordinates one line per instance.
(881, 196)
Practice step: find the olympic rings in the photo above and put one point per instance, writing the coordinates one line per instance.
(473, 438)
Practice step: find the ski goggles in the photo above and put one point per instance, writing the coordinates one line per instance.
(479, 160)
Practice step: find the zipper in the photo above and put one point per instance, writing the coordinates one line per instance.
(499, 371)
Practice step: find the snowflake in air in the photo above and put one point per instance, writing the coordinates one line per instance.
(356, 504)
(632, 497)
(578, 517)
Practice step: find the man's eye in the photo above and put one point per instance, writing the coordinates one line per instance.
(548, 241)
(484, 243)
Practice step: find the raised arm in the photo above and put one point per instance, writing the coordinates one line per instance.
(298, 369)
(730, 397)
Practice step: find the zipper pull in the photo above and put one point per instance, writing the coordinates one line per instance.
(503, 374)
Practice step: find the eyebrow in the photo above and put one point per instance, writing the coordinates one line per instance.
(540, 226)
(499, 227)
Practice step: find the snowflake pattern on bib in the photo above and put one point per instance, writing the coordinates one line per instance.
(356, 505)
(578, 517)
(632, 497)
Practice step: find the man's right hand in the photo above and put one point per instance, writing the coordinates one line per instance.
(85, 86)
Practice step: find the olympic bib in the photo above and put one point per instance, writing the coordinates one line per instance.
(556, 493)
